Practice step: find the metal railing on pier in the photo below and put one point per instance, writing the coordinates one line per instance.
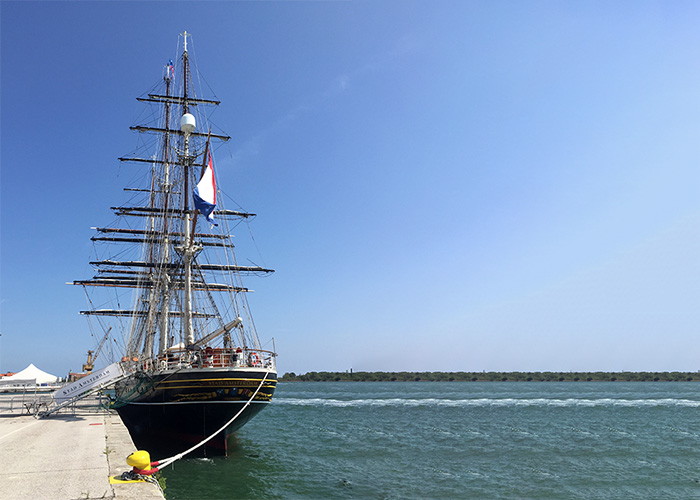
(29, 400)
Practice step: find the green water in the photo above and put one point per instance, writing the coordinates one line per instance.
(442, 440)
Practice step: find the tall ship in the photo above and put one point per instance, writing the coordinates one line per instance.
(166, 276)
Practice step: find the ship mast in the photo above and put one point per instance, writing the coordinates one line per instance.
(188, 248)
(163, 277)
(175, 293)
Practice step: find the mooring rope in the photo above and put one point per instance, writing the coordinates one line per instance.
(165, 462)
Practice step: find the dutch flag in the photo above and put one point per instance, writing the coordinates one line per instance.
(205, 193)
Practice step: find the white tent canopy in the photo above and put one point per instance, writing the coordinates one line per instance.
(32, 372)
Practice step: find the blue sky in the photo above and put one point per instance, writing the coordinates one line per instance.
(449, 185)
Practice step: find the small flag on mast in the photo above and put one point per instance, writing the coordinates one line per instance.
(172, 69)
(205, 193)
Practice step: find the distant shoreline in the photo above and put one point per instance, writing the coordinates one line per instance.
(492, 377)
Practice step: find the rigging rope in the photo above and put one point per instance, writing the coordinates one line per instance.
(165, 462)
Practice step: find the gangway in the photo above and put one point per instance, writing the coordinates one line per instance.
(83, 388)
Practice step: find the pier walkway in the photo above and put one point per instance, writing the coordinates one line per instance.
(66, 456)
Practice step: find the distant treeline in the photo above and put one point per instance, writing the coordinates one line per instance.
(492, 377)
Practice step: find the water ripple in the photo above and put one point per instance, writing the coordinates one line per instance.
(606, 402)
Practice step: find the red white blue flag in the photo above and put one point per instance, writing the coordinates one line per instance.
(205, 193)
(172, 69)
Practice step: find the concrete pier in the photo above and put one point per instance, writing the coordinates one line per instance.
(66, 456)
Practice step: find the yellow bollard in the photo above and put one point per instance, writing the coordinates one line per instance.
(140, 459)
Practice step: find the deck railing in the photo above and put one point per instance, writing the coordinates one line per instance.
(207, 358)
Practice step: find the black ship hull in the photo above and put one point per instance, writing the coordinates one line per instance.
(169, 412)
